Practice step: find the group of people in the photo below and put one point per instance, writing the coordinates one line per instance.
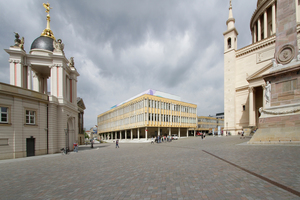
(160, 139)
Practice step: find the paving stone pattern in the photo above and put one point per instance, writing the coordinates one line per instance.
(175, 170)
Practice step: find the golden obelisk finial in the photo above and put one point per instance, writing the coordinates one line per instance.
(47, 31)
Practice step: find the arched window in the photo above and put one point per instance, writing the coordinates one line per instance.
(229, 43)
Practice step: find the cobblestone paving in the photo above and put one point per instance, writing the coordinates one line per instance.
(176, 170)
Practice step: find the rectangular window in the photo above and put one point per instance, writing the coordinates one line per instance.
(30, 117)
(3, 115)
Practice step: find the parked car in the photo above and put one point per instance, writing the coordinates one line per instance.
(174, 137)
(199, 133)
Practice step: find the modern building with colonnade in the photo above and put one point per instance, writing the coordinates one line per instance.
(147, 115)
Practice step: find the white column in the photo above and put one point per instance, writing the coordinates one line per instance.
(45, 89)
(138, 133)
(258, 30)
(125, 134)
(273, 18)
(251, 107)
(112, 136)
(29, 76)
(36, 83)
(146, 133)
(254, 34)
(194, 133)
(158, 132)
(264, 95)
(116, 136)
(265, 25)
(131, 135)
(187, 132)
(179, 132)
(169, 130)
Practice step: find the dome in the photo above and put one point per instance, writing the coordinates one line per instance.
(258, 2)
(43, 42)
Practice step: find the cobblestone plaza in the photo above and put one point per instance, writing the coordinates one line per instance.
(190, 168)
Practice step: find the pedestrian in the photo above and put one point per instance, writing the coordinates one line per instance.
(92, 143)
(152, 140)
(165, 138)
(204, 135)
(117, 143)
(75, 147)
(242, 135)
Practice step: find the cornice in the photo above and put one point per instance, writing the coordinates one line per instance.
(258, 45)
(232, 29)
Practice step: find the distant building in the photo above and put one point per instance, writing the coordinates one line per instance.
(210, 124)
(147, 115)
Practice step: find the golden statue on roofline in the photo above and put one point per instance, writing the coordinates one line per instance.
(47, 6)
(47, 31)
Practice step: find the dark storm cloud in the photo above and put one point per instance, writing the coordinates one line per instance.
(122, 48)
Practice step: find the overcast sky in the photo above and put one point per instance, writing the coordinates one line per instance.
(124, 47)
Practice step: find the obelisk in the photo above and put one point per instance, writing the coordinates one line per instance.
(286, 48)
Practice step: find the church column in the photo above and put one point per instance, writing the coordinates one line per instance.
(146, 133)
(125, 134)
(194, 133)
(158, 131)
(265, 24)
(111, 136)
(169, 131)
(116, 135)
(258, 30)
(254, 34)
(264, 95)
(138, 133)
(179, 132)
(131, 134)
(273, 18)
(251, 107)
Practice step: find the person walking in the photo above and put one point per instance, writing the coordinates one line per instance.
(75, 146)
(152, 140)
(92, 143)
(117, 143)
(204, 135)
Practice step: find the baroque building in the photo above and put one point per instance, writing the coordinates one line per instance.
(40, 113)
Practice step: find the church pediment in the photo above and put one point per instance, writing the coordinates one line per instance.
(261, 72)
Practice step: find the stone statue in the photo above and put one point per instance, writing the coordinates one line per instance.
(268, 93)
(18, 42)
(58, 46)
(71, 62)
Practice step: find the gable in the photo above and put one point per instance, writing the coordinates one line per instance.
(80, 103)
(259, 73)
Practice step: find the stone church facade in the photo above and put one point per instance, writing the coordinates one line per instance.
(245, 69)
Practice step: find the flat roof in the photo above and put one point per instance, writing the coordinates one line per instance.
(151, 92)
